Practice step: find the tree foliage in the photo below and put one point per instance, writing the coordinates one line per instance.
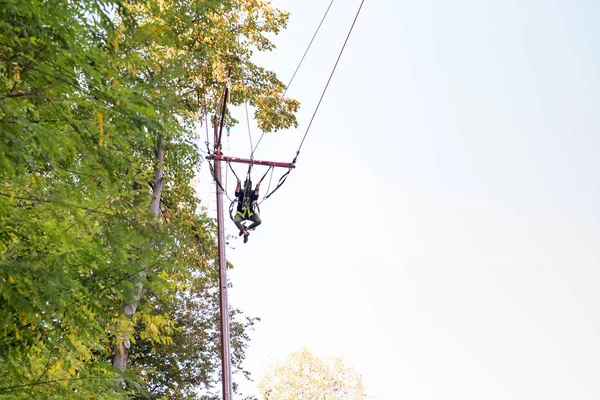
(302, 375)
(91, 91)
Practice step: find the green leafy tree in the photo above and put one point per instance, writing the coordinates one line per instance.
(184, 62)
(97, 101)
(187, 365)
(71, 219)
(304, 376)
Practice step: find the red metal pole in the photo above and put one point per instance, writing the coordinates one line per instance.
(225, 349)
(221, 157)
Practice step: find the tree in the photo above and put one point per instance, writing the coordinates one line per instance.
(184, 49)
(304, 376)
(97, 101)
(188, 364)
(70, 211)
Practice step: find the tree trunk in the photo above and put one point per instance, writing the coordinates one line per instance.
(121, 350)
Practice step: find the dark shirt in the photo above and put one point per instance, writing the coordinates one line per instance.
(246, 202)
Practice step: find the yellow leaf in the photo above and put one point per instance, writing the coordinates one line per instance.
(17, 77)
(56, 366)
(11, 279)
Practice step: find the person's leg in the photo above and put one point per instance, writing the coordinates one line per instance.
(238, 219)
(256, 221)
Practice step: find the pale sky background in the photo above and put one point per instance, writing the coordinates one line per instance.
(442, 229)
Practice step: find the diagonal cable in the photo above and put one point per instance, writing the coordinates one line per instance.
(285, 176)
(294, 74)
(329, 80)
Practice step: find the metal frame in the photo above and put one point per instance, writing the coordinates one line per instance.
(221, 157)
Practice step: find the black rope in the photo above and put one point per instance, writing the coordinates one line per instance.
(281, 182)
(232, 170)
(224, 108)
(231, 208)
(249, 173)
(218, 144)
(329, 80)
(294, 75)
(263, 177)
(212, 172)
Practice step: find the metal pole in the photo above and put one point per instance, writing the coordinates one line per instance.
(225, 350)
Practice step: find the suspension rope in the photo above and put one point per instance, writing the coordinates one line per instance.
(263, 177)
(224, 109)
(232, 170)
(285, 176)
(281, 182)
(293, 75)
(245, 100)
(212, 172)
(249, 172)
(218, 144)
(329, 80)
(249, 134)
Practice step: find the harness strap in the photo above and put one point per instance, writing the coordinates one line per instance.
(231, 206)
(212, 172)
(232, 170)
(244, 212)
(281, 182)
(265, 175)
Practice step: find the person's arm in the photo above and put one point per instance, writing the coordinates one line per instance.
(238, 188)
(256, 191)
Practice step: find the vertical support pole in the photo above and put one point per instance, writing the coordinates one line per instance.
(225, 350)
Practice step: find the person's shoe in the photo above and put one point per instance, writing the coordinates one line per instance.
(241, 233)
(246, 237)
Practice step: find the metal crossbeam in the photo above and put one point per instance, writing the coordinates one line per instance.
(249, 161)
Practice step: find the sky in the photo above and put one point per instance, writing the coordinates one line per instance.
(441, 231)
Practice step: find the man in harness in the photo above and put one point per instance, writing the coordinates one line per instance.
(245, 209)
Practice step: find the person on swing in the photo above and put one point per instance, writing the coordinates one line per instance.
(245, 208)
